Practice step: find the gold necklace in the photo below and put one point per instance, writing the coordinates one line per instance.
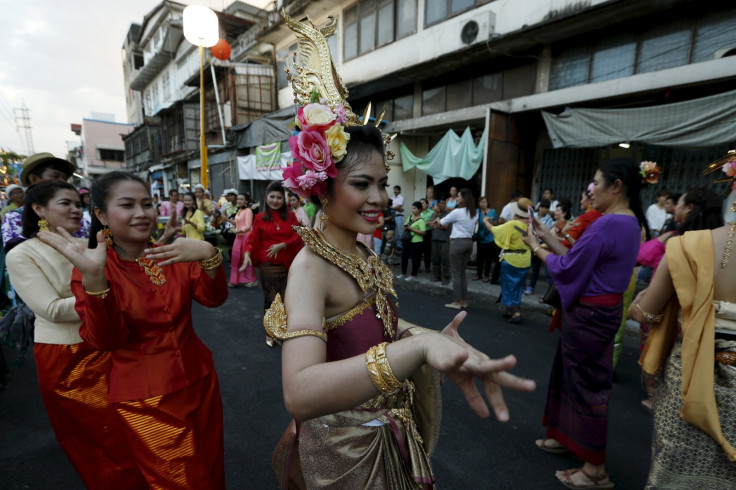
(727, 250)
(153, 271)
(371, 274)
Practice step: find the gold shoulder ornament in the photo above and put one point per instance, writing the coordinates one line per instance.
(274, 321)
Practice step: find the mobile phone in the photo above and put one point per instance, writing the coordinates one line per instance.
(523, 233)
(530, 210)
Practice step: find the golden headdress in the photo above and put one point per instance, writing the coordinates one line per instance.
(324, 111)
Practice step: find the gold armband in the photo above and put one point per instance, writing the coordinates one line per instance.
(98, 294)
(380, 370)
(213, 262)
(650, 317)
(274, 321)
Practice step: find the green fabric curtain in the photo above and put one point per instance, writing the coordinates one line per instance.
(453, 156)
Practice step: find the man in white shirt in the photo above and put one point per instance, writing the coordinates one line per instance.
(398, 208)
(507, 213)
(656, 213)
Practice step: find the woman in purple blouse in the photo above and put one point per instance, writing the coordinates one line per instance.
(591, 278)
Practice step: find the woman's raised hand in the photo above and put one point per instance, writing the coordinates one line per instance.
(181, 250)
(90, 261)
(462, 363)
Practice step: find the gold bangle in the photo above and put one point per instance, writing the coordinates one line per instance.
(650, 317)
(213, 262)
(302, 333)
(98, 294)
(535, 250)
(380, 371)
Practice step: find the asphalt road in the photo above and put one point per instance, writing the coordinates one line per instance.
(472, 452)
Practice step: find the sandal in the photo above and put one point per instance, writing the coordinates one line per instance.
(543, 444)
(485, 279)
(600, 483)
(475, 277)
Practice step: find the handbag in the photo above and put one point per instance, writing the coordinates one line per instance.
(552, 296)
(476, 236)
(406, 237)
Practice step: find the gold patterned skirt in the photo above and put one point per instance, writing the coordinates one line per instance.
(378, 445)
(683, 456)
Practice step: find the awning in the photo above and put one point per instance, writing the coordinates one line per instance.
(271, 127)
(708, 121)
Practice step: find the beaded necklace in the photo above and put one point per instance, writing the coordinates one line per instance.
(371, 274)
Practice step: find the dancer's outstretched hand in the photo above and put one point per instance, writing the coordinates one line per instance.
(89, 261)
(462, 363)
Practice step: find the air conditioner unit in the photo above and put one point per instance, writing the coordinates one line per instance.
(477, 29)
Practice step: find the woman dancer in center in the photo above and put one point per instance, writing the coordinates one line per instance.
(345, 363)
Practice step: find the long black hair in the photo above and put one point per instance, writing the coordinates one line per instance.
(190, 211)
(468, 200)
(100, 192)
(706, 213)
(627, 171)
(40, 193)
(275, 186)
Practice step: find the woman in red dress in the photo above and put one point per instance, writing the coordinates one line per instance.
(134, 299)
(272, 245)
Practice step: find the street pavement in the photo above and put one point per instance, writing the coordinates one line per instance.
(472, 452)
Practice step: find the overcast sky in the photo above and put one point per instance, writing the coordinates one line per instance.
(63, 60)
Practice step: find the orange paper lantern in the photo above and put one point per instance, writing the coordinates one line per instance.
(221, 50)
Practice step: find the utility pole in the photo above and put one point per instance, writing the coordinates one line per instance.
(23, 122)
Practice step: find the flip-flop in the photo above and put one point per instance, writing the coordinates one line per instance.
(541, 444)
(563, 451)
(602, 483)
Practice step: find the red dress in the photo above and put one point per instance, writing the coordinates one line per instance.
(162, 381)
(267, 233)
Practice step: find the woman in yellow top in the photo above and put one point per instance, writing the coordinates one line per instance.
(516, 258)
(192, 220)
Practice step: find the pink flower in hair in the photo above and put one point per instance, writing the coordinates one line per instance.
(341, 117)
(311, 148)
(730, 168)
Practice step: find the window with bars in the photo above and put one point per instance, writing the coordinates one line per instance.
(370, 24)
(655, 48)
(436, 11)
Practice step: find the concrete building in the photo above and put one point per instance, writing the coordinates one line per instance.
(496, 67)
(102, 148)
(162, 85)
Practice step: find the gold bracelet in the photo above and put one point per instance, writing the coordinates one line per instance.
(98, 294)
(302, 333)
(650, 317)
(213, 262)
(380, 371)
(535, 250)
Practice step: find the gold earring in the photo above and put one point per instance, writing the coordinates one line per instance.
(323, 218)
(108, 235)
(43, 225)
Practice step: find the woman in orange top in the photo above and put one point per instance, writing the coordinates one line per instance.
(163, 383)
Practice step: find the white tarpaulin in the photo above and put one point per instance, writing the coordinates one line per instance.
(248, 170)
(708, 121)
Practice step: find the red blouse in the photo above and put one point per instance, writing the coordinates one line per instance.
(583, 222)
(148, 328)
(267, 233)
